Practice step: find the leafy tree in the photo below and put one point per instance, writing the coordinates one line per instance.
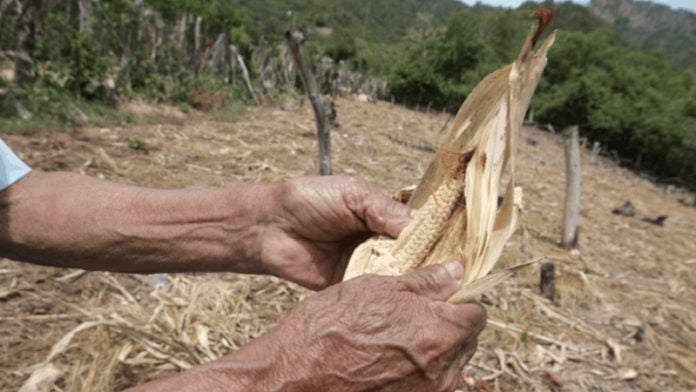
(73, 60)
(624, 98)
(446, 65)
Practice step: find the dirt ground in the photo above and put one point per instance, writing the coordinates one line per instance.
(625, 318)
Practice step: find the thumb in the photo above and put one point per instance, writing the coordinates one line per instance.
(384, 215)
(437, 282)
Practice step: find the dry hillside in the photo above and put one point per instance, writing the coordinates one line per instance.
(625, 319)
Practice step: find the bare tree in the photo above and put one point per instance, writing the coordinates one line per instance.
(322, 112)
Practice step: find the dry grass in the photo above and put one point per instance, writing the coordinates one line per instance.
(625, 319)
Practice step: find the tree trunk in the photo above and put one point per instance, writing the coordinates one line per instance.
(268, 68)
(4, 4)
(181, 31)
(287, 67)
(159, 36)
(127, 49)
(85, 15)
(296, 42)
(124, 69)
(217, 54)
(196, 44)
(25, 28)
(232, 71)
(571, 216)
(234, 53)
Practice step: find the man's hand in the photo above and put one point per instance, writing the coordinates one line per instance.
(369, 333)
(319, 221)
(303, 230)
(380, 333)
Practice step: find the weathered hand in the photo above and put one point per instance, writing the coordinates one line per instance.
(379, 333)
(317, 223)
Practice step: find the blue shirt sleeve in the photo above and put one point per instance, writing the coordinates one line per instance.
(11, 167)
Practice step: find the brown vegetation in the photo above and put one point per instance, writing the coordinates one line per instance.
(624, 319)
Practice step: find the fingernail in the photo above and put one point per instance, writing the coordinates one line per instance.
(455, 269)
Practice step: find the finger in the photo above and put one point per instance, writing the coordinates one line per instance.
(374, 206)
(470, 318)
(384, 215)
(437, 282)
(453, 379)
(466, 353)
(458, 361)
(453, 364)
(463, 354)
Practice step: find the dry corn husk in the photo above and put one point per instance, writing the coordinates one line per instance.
(460, 215)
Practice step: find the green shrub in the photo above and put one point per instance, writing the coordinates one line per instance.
(136, 144)
(72, 60)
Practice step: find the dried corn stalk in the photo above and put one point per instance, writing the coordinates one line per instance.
(460, 215)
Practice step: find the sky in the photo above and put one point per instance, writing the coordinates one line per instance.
(685, 4)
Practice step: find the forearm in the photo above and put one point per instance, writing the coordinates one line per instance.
(255, 367)
(69, 220)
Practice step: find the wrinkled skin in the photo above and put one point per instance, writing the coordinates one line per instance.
(384, 333)
(318, 221)
(370, 333)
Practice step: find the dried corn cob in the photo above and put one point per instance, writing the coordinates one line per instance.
(459, 216)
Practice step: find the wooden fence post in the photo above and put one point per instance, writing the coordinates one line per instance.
(296, 40)
(571, 216)
(595, 153)
(547, 283)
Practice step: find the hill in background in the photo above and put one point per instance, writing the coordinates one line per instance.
(651, 26)
(386, 21)
(641, 24)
